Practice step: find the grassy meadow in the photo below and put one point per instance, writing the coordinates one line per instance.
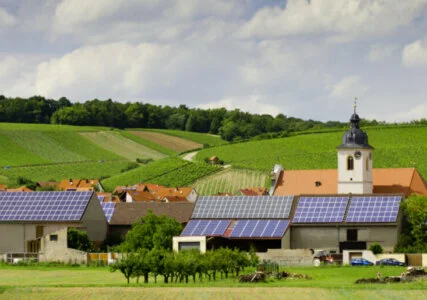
(100, 283)
(231, 181)
(399, 147)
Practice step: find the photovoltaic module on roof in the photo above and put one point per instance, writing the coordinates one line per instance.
(373, 209)
(243, 207)
(320, 210)
(259, 229)
(108, 208)
(43, 206)
(205, 227)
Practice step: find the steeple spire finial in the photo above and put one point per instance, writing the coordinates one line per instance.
(355, 104)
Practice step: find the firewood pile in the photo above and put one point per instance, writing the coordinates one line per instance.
(254, 277)
(288, 275)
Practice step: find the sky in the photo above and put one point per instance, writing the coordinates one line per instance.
(300, 58)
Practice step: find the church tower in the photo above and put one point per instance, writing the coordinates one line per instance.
(355, 160)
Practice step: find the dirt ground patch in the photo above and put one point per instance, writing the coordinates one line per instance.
(172, 142)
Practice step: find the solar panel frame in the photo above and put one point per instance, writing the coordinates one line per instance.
(374, 209)
(259, 228)
(320, 209)
(242, 207)
(203, 227)
(108, 208)
(43, 206)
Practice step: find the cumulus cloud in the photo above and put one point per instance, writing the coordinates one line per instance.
(347, 19)
(348, 88)
(6, 19)
(415, 54)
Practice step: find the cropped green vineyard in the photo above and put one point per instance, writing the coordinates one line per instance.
(144, 173)
(394, 148)
(62, 171)
(186, 175)
(201, 138)
(231, 181)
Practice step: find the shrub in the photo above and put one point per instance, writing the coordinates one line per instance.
(376, 248)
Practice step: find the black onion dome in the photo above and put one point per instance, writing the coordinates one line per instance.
(355, 137)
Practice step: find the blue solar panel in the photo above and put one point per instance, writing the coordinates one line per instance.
(373, 209)
(259, 229)
(43, 206)
(101, 198)
(108, 208)
(205, 227)
(320, 210)
(243, 207)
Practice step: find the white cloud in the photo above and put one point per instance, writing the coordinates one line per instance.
(6, 19)
(346, 18)
(415, 54)
(8, 66)
(380, 52)
(348, 88)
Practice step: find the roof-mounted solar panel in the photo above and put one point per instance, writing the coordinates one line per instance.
(320, 210)
(259, 229)
(205, 227)
(373, 209)
(243, 207)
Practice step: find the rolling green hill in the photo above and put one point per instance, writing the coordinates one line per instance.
(397, 147)
(45, 152)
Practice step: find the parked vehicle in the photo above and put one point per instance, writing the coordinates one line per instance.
(359, 261)
(321, 256)
(390, 262)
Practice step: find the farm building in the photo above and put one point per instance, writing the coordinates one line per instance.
(125, 214)
(37, 222)
(336, 210)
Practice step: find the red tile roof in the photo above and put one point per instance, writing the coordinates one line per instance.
(385, 181)
(254, 191)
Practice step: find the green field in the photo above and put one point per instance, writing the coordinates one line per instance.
(201, 138)
(394, 148)
(121, 145)
(62, 171)
(171, 171)
(100, 283)
(231, 181)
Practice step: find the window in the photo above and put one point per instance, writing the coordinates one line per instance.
(351, 234)
(39, 231)
(367, 164)
(350, 163)
(54, 237)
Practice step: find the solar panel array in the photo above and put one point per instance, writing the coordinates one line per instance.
(259, 229)
(243, 207)
(43, 206)
(101, 198)
(205, 227)
(320, 210)
(373, 209)
(108, 208)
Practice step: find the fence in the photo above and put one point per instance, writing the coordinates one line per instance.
(101, 259)
(15, 257)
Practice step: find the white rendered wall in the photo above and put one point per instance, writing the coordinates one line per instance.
(358, 180)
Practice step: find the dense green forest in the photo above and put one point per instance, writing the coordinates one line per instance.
(230, 125)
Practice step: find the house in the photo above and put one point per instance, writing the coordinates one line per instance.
(125, 214)
(188, 193)
(348, 208)
(20, 189)
(139, 196)
(107, 197)
(254, 192)
(37, 223)
(2, 187)
(80, 185)
(140, 187)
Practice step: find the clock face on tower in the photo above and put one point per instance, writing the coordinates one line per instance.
(357, 154)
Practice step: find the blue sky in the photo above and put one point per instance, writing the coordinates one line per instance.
(307, 59)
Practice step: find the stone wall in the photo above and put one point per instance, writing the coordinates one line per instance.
(288, 257)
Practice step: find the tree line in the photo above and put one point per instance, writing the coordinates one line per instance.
(230, 125)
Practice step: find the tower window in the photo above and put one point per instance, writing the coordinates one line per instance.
(350, 163)
(367, 164)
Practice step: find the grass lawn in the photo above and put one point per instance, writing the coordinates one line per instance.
(100, 283)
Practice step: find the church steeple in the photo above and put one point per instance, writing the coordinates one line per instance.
(355, 138)
(355, 160)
